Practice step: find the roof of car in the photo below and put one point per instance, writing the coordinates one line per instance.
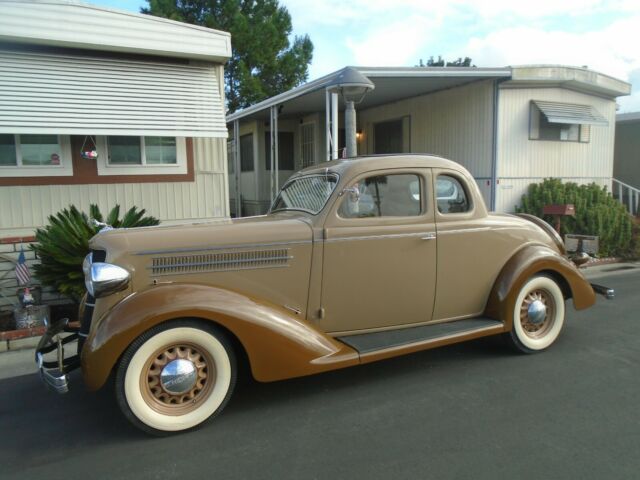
(377, 162)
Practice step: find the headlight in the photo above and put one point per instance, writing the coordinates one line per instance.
(103, 279)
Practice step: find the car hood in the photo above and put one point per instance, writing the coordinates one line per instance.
(230, 233)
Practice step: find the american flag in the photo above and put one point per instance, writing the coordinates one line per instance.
(22, 270)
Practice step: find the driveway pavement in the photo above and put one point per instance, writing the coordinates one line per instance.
(472, 410)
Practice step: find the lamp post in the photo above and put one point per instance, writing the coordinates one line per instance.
(352, 87)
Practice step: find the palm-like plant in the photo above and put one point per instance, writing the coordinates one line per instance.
(62, 245)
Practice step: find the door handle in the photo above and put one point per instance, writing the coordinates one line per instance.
(429, 236)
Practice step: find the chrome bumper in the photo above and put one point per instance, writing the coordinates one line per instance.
(606, 292)
(54, 373)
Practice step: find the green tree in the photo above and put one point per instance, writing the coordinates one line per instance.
(263, 62)
(440, 62)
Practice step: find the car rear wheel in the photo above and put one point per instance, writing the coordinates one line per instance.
(175, 376)
(538, 315)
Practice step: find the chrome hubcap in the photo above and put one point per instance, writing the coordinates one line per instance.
(536, 312)
(178, 376)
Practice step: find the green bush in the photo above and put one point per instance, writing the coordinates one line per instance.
(597, 213)
(62, 245)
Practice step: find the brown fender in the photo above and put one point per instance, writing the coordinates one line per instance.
(524, 264)
(278, 344)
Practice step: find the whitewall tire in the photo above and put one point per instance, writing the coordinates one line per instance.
(538, 315)
(175, 376)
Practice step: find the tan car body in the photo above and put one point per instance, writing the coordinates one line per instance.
(288, 284)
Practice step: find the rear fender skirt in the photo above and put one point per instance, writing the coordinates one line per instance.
(524, 264)
(278, 343)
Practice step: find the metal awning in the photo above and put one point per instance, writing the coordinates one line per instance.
(569, 113)
(77, 94)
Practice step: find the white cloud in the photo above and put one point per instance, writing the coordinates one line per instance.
(610, 50)
(601, 34)
(398, 43)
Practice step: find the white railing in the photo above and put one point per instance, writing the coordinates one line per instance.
(627, 195)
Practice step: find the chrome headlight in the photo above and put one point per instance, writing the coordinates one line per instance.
(103, 279)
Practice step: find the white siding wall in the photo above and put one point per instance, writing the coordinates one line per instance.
(455, 123)
(522, 161)
(26, 207)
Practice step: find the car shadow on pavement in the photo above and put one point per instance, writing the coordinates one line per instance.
(34, 420)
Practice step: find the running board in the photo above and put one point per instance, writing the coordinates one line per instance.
(420, 338)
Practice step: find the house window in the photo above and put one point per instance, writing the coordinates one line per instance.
(246, 153)
(35, 155)
(129, 155)
(543, 128)
(392, 136)
(307, 145)
(142, 150)
(285, 151)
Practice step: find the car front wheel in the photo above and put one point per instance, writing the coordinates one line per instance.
(175, 376)
(538, 315)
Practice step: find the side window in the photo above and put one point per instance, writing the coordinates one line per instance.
(383, 196)
(451, 196)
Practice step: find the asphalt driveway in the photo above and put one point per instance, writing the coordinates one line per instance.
(473, 410)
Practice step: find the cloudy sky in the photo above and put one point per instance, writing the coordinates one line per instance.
(603, 35)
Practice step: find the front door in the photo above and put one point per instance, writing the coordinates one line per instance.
(379, 262)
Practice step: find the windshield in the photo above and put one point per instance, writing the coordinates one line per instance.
(309, 193)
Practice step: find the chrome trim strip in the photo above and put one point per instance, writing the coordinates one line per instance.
(377, 237)
(464, 230)
(223, 247)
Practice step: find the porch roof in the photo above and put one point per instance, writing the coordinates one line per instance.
(391, 84)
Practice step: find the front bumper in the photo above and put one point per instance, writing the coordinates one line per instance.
(54, 372)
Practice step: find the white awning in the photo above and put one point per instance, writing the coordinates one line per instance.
(570, 113)
(78, 95)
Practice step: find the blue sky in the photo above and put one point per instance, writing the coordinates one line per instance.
(598, 33)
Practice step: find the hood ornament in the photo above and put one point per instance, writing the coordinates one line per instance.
(104, 227)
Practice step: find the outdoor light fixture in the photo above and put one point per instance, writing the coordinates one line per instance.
(352, 87)
(359, 135)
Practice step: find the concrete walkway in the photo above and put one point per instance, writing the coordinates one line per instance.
(21, 362)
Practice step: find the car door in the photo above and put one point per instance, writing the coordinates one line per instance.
(379, 260)
(470, 251)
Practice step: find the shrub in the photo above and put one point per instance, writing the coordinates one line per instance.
(597, 213)
(62, 245)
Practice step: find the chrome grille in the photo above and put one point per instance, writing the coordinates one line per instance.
(214, 262)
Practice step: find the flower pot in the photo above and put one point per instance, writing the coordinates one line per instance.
(31, 316)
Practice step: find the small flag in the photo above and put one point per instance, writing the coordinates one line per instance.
(22, 270)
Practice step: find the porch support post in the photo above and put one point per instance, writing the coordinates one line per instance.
(236, 169)
(327, 125)
(350, 129)
(275, 167)
(271, 156)
(334, 125)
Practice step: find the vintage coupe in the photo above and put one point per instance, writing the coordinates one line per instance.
(358, 260)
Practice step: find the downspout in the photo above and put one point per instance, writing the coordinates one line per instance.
(494, 152)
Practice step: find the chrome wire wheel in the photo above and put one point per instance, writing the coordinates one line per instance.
(538, 315)
(177, 377)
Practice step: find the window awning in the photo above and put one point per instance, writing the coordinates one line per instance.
(84, 95)
(569, 113)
